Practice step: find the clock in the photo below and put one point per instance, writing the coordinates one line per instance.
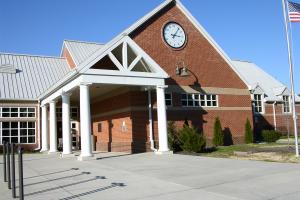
(174, 35)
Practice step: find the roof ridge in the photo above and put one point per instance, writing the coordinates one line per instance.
(87, 42)
(29, 55)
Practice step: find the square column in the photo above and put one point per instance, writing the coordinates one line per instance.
(85, 122)
(45, 141)
(53, 128)
(162, 120)
(66, 124)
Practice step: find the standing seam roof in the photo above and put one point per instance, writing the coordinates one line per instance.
(34, 75)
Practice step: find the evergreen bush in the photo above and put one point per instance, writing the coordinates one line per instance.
(270, 135)
(191, 140)
(248, 132)
(218, 138)
(173, 140)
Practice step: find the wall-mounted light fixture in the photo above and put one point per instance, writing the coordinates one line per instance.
(181, 69)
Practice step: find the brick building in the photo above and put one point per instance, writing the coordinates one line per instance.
(165, 67)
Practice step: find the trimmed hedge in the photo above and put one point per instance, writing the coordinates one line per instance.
(270, 135)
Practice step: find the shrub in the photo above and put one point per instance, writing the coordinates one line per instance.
(248, 132)
(270, 135)
(191, 140)
(173, 140)
(218, 138)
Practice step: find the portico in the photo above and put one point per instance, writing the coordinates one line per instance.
(115, 67)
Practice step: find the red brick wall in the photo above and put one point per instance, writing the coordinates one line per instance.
(66, 54)
(198, 54)
(284, 122)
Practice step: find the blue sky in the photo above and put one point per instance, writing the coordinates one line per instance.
(250, 30)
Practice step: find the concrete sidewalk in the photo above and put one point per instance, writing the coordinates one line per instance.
(149, 176)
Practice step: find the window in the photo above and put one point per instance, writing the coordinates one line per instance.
(22, 112)
(168, 99)
(258, 103)
(17, 132)
(286, 104)
(73, 112)
(197, 100)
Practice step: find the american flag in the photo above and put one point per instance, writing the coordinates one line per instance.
(294, 11)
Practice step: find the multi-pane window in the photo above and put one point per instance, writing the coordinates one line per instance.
(286, 104)
(168, 99)
(73, 112)
(197, 100)
(258, 103)
(17, 132)
(12, 112)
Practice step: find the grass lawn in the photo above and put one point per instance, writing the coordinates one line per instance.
(272, 152)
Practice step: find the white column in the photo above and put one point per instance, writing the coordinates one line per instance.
(162, 119)
(85, 122)
(53, 128)
(45, 141)
(66, 124)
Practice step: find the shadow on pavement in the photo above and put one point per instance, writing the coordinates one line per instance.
(56, 179)
(94, 191)
(62, 171)
(63, 186)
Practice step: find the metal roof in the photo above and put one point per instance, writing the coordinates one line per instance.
(33, 75)
(81, 50)
(255, 76)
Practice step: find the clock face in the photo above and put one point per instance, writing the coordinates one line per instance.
(174, 35)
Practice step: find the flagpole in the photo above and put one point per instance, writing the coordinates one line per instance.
(291, 76)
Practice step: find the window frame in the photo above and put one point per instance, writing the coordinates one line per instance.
(199, 100)
(258, 101)
(18, 112)
(19, 131)
(284, 104)
(170, 99)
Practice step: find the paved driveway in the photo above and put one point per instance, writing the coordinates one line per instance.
(149, 176)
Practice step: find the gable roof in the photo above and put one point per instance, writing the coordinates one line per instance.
(81, 50)
(147, 17)
(255, 76)
(33, 75)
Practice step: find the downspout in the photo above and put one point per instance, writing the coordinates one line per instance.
(39, 126)
(274, 115)
(150, 121)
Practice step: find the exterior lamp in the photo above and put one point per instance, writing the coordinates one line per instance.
(182, 70)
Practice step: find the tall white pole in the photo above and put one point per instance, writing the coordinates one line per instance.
(291, 75)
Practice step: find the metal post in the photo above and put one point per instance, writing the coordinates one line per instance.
(284, 5)
(13, 176)
(21, 186)
(8, 166)
(4, 161)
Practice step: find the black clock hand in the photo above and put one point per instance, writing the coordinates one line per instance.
(175, 34)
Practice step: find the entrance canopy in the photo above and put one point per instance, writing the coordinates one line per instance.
(120, 63)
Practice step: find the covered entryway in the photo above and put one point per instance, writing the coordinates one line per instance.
(119, 66)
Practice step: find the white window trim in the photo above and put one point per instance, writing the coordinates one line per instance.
(290, 105)
(199, 100)
(19, 132)
(262, 103)
(19, 112)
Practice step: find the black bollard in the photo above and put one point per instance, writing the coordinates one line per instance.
(8, 166)
(13, 174)
(4, 161)
(21, 186)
